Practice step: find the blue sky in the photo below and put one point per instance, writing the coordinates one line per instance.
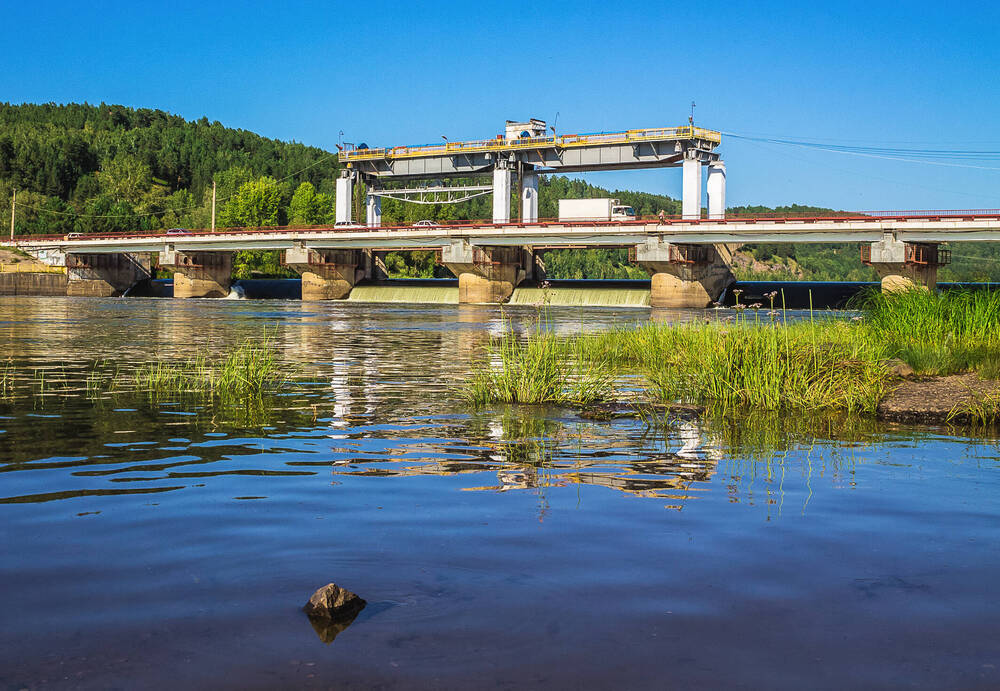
(907, 74)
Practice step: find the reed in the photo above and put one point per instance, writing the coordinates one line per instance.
(538, 368)
(938, 333)
(750, 362)
(248, 370)
(7, 373)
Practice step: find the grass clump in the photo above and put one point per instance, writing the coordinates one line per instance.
(538, 368)
(248, 370)
(938, 333)
(816, 365)
(829, 363)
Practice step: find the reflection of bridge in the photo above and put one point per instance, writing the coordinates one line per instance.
(688, 258)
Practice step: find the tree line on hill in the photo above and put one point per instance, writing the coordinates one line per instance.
(108, 168)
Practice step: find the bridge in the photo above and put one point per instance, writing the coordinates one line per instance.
(688, 257)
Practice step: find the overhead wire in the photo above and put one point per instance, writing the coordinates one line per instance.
(926, 156)
(784, 152)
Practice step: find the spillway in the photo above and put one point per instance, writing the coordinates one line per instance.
(445, 293)
(586, 295)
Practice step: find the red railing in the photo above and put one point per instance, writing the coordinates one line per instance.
(902, 216)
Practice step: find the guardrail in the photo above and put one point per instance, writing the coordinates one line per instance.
(561, 141)
(845, 217)
(20, 268)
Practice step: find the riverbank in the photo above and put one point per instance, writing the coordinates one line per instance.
(754, 358)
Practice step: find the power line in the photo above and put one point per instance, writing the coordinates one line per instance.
(853, 173)
(927, 156)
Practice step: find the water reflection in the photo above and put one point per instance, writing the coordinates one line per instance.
(476, 531)
(374, 396)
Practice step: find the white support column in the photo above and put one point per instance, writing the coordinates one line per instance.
(691, 195)
(529, 198)
(501, 195)
(374, 215)
(345, 198)
(716, 187)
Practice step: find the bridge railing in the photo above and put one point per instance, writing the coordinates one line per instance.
(472, 224)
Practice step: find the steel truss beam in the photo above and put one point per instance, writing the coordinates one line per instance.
(434, 195)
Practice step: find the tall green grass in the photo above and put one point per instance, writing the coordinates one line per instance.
(811, 365)
(538, 368)
(247, 370)
(938, 333)
(830, 363)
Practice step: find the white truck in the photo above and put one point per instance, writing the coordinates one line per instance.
(594, 210)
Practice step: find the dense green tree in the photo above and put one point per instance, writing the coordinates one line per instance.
(309, 207)
(256, 203)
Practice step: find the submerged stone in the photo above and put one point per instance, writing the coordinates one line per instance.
(333, 602)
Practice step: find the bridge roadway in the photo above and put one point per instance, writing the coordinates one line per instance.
(929, 227)
(689, 260)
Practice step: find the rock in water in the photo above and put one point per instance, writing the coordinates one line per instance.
(333, 602)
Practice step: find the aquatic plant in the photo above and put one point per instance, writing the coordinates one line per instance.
(538, 368)
(7, 379)
(247, 370)
(748, 362)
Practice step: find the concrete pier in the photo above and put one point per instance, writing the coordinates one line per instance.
(716, 187)
(344, 198)
(904, 265)
(529, 197)
(692, 276)
(486, 275)
(104, 275)
(501, 193)
(691, 188)
(199, 274)
(328, 274)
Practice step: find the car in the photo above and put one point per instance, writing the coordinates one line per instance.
(426, 223)
(74, 236)
(346, 224)
(177, 231)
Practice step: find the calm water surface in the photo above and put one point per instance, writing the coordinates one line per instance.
(171, 544)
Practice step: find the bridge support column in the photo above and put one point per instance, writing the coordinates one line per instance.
(501, 193)
(326, 274)
(374, 211)
(529, 197)
(199, 274)
(905, 265)
(104, 275)
(486, 275)
(691, 276)
(344, 197)
(691, 188)
(716, 188)
(374, 266)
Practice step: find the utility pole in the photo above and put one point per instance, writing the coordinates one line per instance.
(13, 202)
(213, 204)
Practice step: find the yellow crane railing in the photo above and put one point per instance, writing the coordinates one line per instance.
(563, 142)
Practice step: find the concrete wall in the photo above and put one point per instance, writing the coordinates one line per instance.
(32, 284)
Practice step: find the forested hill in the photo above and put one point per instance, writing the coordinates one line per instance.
(107, 167)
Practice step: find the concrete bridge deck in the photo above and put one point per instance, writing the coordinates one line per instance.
(933, 227)
(689, 260)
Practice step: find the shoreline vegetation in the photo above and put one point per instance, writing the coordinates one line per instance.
(245, 372)
(753, 359)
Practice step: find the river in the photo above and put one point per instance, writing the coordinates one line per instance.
(172, 543)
